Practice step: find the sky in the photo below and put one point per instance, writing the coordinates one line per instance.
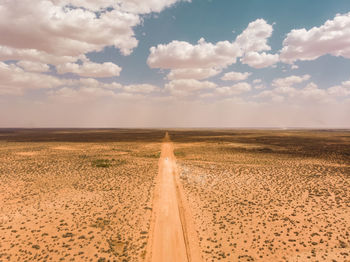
(175, 63)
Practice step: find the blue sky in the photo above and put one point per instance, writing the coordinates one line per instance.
(64, 66)
(224, 20)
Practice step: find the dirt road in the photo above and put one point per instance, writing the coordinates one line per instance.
(172, 236)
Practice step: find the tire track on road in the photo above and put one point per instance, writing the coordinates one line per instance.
(171, 239)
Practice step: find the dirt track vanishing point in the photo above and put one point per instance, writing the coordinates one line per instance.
(171, 237)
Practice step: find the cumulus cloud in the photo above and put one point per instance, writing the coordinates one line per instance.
(60, 32)
(146, 6)
(86, 90)
(193, 73)
(235, 76)
(259, 86)
(235, 89)
(10, 53)
(290, 80)
(188, 62)
(140, 88)
(131, 6)
(253, 41)
(205, 59)
(90, 69)
(333, 37)
(254, 37)
(346, 84)
(310, 93)
(83, 94)
(14, 80)
(259, 60)
(181, 54)
(270, 94)
(185, 87)
(33, 66)
(341, 90)
(113, 86)
(285, 90)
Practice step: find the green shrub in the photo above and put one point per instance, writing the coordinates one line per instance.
(179, 154)
(105, 163)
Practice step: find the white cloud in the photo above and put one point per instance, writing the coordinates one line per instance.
(242, 87)
(290, 80)
(146, 6)
(59, 30)
(235, 76)
(259, 86)
(235, 89)
(285, 90)
(90, 69)
(10, 53)
(185, 87)
(269, 94)
(346, 84)
(203, 55)
(33, 66)
(131, 6)
(91, 82)
(114, 86)
(14, 80)
(180, 54)
(259, 60)
(254, 37)
(189, 63)
(311, 91)
(339, 91)
(140, 88)
(333, 37)
(193, 73)
(206, 95)
(90, 90)
(75, 95)
(253, 41)
(88, 82)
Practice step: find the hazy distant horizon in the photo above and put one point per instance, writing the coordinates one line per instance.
(179, 128)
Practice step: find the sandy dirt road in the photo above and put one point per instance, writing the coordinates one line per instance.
(173, 237)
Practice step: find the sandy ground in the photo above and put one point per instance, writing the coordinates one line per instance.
(219, 195)
(170, 240)
(267, 202)
(76, 201)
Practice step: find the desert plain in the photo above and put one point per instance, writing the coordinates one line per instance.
(174, 195)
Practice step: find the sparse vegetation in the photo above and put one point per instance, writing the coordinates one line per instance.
(179, 153)
(105, 163)
(36, 246)
(74, 193)
(254, 195)
(153, 155)
(267, 195)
